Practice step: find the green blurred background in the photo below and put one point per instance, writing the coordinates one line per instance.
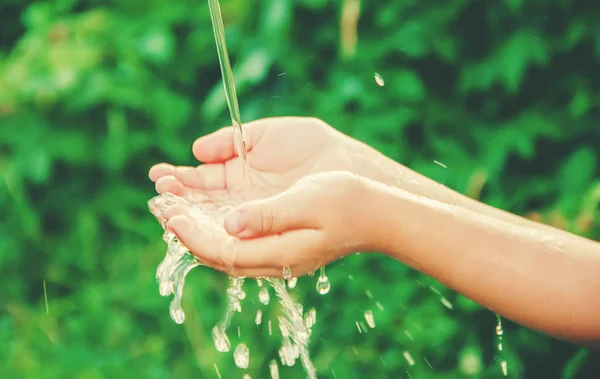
(92, 93)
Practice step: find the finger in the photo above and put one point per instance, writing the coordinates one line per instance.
(268, 254)
(271, 216)
(206, 177)
(169, 184)
(159, 170)
(219, 147)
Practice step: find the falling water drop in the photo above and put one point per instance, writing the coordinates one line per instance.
(258, 319)
(177, 314)
(323, 284)
(292, 282)
(370, 319)
(409, 358)
(379, 80)
(446, 303)
(246, 376)
(310, 318)
(263, 296)
(287, 273)
(311, 274)
(220, 339)
(504, 367)
(241, 356)
(274, 369)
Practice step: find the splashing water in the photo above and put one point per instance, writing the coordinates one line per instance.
(208, 210)
(379, 80)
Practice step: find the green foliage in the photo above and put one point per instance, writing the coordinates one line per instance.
(504, 93)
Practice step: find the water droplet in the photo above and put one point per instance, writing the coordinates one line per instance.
(409, 358)
(220, 339)
(258, 319)
(369, 294)
(446, 303)
(504, 367)
(288, 353)
(311, 274)
(370, 319)
(177, 314)
(323, 285)
(499, 330)
(379, 306)
(246, 376)
(440, 164)
(274, 369)
(259, 282)
(270, 328)
(241, 356)
(287, 273)
(379, 80)
(292, 282)
(263, 296)
(358, 326)
(310, 318)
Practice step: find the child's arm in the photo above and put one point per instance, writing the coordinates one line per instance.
(542, 278)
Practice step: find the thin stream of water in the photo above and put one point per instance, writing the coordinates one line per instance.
(229, 86)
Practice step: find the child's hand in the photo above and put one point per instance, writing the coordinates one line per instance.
(281, 151)
(317, 220)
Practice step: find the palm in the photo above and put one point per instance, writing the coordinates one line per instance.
(281, 152)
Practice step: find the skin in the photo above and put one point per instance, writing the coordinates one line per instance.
(317, 187)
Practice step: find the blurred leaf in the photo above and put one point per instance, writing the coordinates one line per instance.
(577, 171)
(574, 364)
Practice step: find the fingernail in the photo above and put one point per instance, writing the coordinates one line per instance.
(235, 222)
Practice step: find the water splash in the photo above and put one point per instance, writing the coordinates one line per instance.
(294, 326)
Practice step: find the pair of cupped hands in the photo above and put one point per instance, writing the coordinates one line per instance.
(315, 183)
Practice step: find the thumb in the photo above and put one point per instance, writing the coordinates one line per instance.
(274, 215)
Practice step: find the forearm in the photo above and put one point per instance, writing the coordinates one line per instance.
(545, 280)
(396, 175)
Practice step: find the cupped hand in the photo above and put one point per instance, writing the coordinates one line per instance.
(317, 220)
(281, 151)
